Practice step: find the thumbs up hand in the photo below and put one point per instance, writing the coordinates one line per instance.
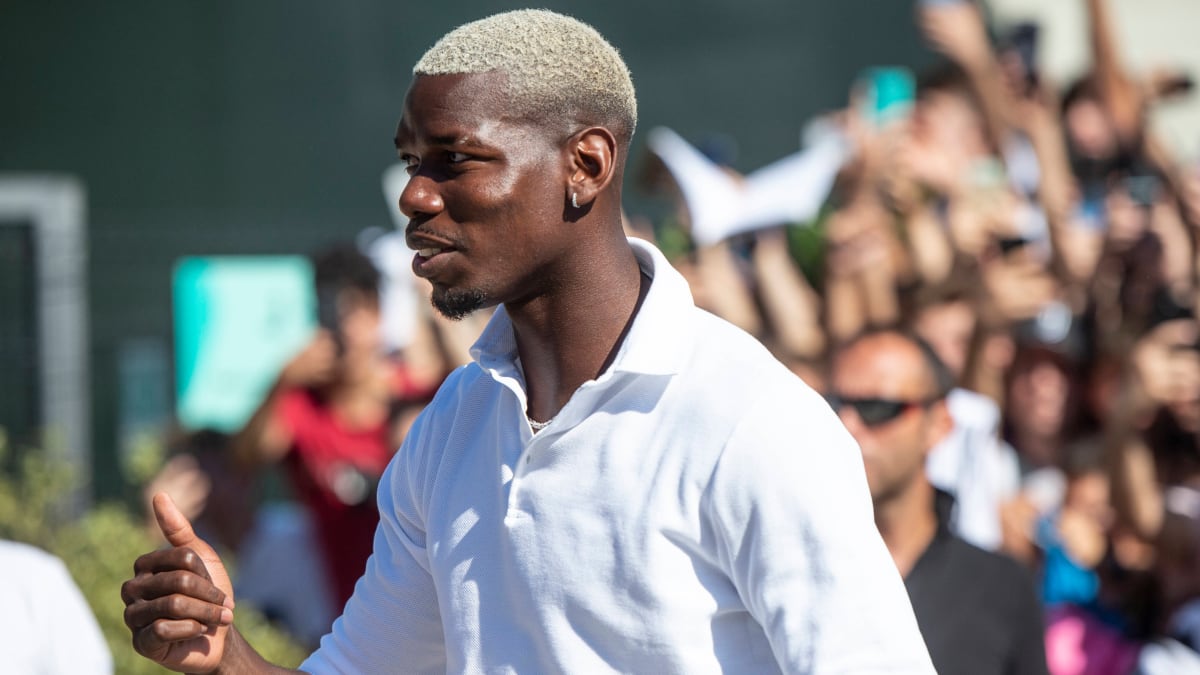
(179, 604)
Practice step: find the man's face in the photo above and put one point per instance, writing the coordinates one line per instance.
(1090, 129)
(1038, 393)
(946, 122)
(486, 196)
(358, 323)
(888, 372)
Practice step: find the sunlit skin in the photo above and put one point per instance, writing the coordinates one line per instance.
(1090, 129)
(480, 190)
(357, 354)
(1127, 220)
(947, 121)
(889, 366)
(359, 322)
(948, 328)
(1038, 393)
(492, 222)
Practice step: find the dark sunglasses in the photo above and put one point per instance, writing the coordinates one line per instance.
(876, 411)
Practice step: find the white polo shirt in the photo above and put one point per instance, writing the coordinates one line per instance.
(695, 509)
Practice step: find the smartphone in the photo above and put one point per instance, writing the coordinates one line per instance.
(887, 94)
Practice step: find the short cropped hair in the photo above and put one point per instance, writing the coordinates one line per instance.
(341, 267)
(947, 77)
(940, 378)
(556, 66)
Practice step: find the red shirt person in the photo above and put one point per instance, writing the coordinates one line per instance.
(330, 417)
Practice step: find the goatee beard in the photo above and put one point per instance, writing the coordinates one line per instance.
(456, 304)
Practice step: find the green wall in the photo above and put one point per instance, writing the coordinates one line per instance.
(262, 127)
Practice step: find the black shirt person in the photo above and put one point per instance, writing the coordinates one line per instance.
(977, 610)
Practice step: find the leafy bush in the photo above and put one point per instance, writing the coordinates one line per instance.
(99, 549)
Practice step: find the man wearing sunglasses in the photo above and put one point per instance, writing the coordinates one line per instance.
(977, 610)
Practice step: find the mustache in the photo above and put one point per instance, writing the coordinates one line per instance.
(431, 233)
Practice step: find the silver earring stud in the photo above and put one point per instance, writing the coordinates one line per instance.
(574, 200)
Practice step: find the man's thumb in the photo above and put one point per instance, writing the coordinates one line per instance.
(178, 532)
(174, 525)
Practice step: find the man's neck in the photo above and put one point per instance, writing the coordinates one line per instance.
(908, 523)
(571, 336)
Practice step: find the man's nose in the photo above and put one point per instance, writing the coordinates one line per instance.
(420, 198)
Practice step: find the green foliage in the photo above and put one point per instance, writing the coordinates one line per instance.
(99, 548)
(807, 243)
(29, 505)
(672, 238)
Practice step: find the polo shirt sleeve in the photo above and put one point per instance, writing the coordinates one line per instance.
(792, 522)
(392, 623)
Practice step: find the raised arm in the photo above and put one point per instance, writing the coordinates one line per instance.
(860, 270)
(1164, 371)
(265, 439)
(179, 605)
(957, 30)
(1118, 90)
(1074, 248)
(726, 292)
(792, 307)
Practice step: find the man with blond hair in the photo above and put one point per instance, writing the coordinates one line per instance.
(619, 481)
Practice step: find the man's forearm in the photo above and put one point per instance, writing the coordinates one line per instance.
(253, 445)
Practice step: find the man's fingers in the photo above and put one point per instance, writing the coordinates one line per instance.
(171, 559)
(176, 608)
(190, 553)
(174, 525)
(179, 582)
(155, 640)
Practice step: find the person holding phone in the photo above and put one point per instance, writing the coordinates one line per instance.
(329, 418)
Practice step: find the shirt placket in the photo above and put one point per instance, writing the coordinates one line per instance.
(532, 446)
(530, 443)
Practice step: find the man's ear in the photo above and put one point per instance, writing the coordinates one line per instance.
(940, 423)
(592, 165)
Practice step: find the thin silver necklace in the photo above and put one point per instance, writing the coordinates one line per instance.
(535, 425)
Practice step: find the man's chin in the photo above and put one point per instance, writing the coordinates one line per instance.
(456, 304)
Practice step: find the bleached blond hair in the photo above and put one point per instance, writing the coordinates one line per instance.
(556, 65)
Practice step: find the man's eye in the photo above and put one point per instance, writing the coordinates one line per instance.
(410, 163)
(456, 157)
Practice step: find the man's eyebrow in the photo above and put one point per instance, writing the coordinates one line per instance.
(458, 140)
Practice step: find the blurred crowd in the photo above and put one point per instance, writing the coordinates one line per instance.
(1043, 241)
(1037, 236)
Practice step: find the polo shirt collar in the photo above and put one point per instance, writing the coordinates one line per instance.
(658, 342)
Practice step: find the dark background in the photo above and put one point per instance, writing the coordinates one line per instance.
(263, 126)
